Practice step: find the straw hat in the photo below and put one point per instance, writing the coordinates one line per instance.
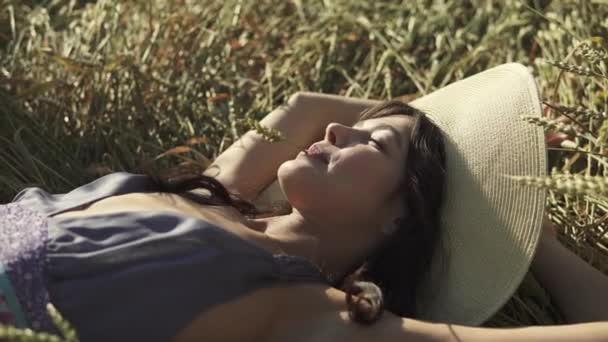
(491, 226)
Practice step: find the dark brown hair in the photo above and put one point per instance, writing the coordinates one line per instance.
(390, 275)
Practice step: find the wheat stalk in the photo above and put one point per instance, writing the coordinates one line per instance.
(10, 333)
(62, 324)
(596, 186)
(578, 112)
(592, 54)
(577, 69)
(548, 123)
(269, 134)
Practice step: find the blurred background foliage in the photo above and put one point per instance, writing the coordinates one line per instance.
(92, 87)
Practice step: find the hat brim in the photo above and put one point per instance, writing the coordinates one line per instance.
(491, 225)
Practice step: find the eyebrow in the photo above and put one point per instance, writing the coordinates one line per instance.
(390, 128)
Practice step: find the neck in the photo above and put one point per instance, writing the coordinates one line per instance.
(306, 237)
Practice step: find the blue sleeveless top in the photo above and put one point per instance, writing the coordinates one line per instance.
(143, 276)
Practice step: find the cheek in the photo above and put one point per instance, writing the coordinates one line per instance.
(362, 181)
(358, 170)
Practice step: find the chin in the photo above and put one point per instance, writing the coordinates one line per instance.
(302, 186)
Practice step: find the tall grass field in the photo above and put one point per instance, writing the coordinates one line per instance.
(93, 87)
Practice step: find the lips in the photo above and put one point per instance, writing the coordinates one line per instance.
(316, 152)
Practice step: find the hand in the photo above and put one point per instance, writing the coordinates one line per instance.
(555, 139)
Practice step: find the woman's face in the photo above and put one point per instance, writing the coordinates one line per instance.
(352, 172)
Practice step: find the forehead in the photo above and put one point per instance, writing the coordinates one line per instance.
(399, 121)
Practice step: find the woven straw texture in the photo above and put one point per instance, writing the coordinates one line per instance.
(491, 225)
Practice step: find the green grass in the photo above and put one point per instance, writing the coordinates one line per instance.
(87, 88)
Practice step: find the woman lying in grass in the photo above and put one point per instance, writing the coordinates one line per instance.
(403, 228)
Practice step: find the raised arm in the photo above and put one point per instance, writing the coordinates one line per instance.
(336, 326)
(579, 290)
(403, 329)
(251, 163)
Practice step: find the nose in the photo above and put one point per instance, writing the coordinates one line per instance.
(339, 134)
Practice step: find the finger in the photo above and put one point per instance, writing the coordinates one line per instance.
(554, 139)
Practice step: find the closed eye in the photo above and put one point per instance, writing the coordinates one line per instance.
(380, 146)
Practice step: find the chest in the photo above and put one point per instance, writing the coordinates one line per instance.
(225, 217)
(266, 314)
